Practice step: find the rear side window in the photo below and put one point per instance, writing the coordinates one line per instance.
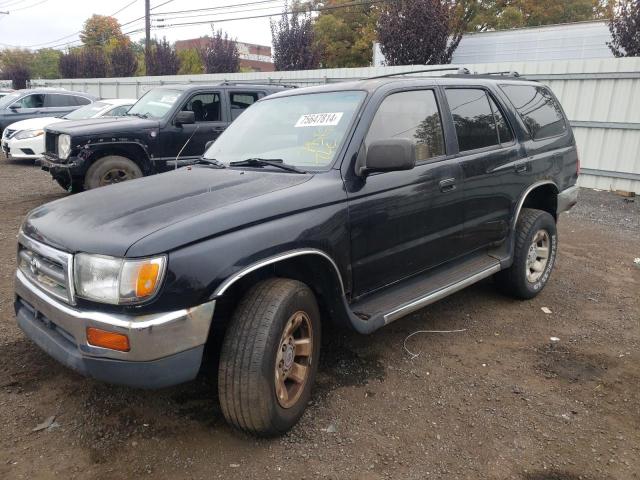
(82, 101)
(55, 100)
(504, 132)
(413, 115)
(473, 118)
(242, 100)
(539, 111)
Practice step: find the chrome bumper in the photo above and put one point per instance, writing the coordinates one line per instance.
(151, 337)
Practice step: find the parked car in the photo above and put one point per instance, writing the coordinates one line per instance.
(4, 92)
(39, 102)
(357, 203)
(168, 126)
(25, 139)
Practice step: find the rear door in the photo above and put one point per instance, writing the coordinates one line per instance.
(407, 221)
(490, 160)
(240, 100)
(56, 104)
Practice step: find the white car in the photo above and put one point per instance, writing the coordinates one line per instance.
(25, 139)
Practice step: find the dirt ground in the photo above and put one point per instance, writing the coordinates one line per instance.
(496, 401)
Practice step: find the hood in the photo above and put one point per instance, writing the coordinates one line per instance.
(104, 125)
(109, 220)
(34, 123)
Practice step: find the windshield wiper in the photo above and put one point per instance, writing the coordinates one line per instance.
(139, 115)
(270, 162)
(211, 161)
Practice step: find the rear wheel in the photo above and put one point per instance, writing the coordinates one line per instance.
(534, 255)
(109, 170)
(269, 357)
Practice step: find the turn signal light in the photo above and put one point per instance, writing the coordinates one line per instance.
(110, 340)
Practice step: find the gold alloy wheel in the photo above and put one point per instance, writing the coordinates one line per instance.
(293, 360)
(538, 255)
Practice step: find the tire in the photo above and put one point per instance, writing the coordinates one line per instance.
(530, 271)
(253, 357)
(109, 170)
(71, 186)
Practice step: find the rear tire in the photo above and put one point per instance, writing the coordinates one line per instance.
(534, 255)
(109, 170)
(269, 357)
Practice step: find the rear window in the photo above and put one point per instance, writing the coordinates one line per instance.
(538, 109)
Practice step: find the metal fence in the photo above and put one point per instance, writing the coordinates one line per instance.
(601, 98)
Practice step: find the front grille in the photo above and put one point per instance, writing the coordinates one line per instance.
(51, 143)
(46, 267)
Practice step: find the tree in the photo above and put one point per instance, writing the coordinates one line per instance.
(293, 41)
(45, 63)
(190, 62)
(15, 66)
(123, 61)
(99, 30)
(344, 36)
(94, 63)
(70, 64)
(220, 54)
(625, 29)
(419, 32)
(163, 59)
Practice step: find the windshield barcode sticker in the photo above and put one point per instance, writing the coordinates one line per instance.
(319, 119)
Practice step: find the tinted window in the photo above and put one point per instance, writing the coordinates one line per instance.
(31, 101)
(55, 100)
(412, 115)
(504, 132)
(241, 100)
(473, 118)
(539, 111)
(82, 101)
(205, 106)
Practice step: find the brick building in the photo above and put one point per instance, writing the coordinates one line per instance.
(255, 58)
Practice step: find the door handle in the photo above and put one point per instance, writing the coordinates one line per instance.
(447, 185)
(218, 129)
(520, 167)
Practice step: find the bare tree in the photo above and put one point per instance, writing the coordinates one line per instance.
(163, 59)
(293, 41)
(220, 54)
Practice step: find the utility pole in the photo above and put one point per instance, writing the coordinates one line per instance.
(147, 32)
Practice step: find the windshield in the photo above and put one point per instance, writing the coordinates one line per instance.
(156, 103)
(9, 99)
(88, 111)
(301, 130)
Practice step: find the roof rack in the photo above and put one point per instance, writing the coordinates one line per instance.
(509, 73)
(257, 84)
(459, 70)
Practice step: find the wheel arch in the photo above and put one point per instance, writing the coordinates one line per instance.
(134, 151)
(542, 195)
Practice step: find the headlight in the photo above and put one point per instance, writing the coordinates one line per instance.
(117, 280)
(64, 146)
(24, 134)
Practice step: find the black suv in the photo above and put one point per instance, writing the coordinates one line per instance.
(356, 203)
(39, 102)
(168, 126)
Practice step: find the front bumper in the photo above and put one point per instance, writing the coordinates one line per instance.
(15, 147)
(567, 198)
(166, 348)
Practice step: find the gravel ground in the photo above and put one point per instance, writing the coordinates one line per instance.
(497, 401)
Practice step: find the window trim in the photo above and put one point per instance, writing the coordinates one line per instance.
(565, 120)
(203, 92)
(434, 89)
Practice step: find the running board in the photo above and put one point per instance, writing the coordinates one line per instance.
(417, 292)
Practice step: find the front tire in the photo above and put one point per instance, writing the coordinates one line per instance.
(109, 170)
(534, 255)
(269, 357)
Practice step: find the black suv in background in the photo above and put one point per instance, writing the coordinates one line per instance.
(168, 126)
(39, 102)
(356, 203)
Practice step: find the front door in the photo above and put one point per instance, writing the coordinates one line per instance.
(29, 106)
(409, 221)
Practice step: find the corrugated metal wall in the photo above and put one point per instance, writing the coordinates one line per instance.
(601, 98)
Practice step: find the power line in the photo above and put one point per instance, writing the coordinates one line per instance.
(197, 15)
(216, 8)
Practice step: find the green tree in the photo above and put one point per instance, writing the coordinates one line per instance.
(344, 36)
(625, 29)
(98, 30)
(46, 63)
(15, 65)
(190, 62)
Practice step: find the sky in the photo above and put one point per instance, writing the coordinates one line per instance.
(37, 23)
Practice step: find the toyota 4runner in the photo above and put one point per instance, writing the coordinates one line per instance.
(357, 203)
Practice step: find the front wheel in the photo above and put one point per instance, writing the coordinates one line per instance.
(269, 357)
(109, 170)
(534, 255)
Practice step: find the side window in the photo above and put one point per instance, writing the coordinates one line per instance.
(31, 101)
(82, 101)
(537, 108)
(117, 111)
(242, 100)
(504, 132)
(55, 100)
(472, 118)
(205, 106)
(413, 115)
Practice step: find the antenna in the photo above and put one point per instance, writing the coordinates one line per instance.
(460, 70)
(185, 145)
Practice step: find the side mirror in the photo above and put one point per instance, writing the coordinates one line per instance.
(389, 156)
(14, 107)
(185, 118)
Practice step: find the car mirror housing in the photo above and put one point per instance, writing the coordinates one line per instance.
(185, 118)
(389, 156)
